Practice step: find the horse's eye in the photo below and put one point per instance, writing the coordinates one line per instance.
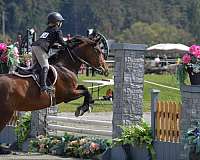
(97, 50)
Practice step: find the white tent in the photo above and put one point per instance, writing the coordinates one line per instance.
(169, 47)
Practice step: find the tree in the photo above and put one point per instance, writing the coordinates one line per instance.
(152, 34)
(194, 15)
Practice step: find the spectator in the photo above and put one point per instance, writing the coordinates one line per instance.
(69, 37)
(18, 41)
(82, 68)
(109, 95)
(157, 61)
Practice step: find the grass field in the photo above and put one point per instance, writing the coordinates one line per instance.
(104, 106)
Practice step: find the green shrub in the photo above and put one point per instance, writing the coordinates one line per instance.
(137, 134)
(69, 146)
(23, 128)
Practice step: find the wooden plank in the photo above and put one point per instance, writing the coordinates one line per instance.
(162, 122)
(177, 129)
(178, 122)
(158, 121)
(167, 122)
(175, 122)
(172, 122)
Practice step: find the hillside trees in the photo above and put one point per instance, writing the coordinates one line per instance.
(152, 34)
(194, 16)
(113, 18)
(21, 14)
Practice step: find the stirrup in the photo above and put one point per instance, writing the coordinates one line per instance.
(46, 88)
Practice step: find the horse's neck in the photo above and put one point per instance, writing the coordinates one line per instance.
(70, 62)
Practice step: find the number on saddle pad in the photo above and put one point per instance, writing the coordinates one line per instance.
(44, 35)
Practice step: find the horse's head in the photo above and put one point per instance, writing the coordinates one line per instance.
(89, 51)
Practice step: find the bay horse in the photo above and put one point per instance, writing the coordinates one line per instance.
(23, 94)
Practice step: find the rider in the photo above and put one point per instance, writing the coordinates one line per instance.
(40, 48)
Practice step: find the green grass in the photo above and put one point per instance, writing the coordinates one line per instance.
(165, 93)
(104, 106)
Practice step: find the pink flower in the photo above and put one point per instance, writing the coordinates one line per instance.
(195, 50)
(3, 47)
(94, 146)
(186, 59)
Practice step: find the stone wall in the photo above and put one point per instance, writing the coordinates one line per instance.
(129, 80)
(189, 115)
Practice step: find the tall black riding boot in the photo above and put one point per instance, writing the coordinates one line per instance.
(43, 79)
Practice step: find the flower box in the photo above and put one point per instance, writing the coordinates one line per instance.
(124, 152)
(194, 77)
(192, 153)
(190, 65)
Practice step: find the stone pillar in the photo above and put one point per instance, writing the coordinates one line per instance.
(128, 90)
(190, 112)
(38, 122)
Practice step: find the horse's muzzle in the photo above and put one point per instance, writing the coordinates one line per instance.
(106, 73)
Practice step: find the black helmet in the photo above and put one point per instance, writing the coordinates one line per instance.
(54, 17)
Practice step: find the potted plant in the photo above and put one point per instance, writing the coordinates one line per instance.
(135, 141)
(192, 138)
(190, 65)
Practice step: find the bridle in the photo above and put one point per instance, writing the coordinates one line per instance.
(74, 56)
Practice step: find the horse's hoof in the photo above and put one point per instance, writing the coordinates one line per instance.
(81, 112)
(77, 112)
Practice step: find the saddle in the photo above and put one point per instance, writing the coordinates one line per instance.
(34, 72)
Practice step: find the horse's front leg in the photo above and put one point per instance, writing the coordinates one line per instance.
(87, 103)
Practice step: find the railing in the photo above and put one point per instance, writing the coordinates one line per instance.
(74, 129)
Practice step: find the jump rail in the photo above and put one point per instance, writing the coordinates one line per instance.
(73, 120)
(75, 129)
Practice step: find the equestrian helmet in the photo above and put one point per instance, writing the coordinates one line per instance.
(54, 17)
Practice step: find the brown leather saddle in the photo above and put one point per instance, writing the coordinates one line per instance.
(34, 72)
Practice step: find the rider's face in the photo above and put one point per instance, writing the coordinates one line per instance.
(59, 24)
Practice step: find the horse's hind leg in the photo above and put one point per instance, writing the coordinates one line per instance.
(5, 116)
(87, 103)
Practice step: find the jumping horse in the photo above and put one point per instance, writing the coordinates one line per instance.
(23, 94)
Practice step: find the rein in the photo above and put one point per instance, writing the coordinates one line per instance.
(71, 52)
